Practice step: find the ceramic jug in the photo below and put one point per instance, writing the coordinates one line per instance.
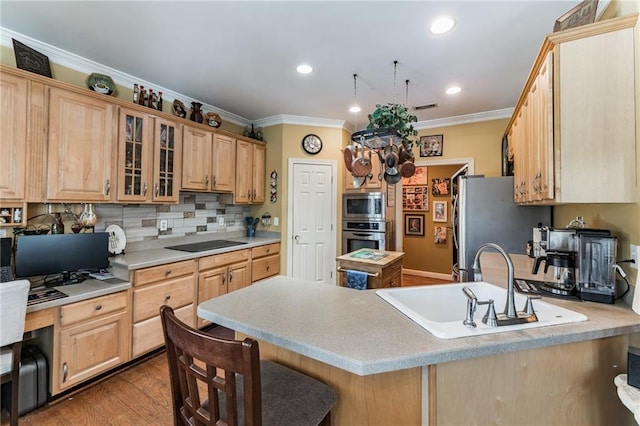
(196, 112)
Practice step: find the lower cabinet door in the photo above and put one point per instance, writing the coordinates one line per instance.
(147, 335)
(91, 348)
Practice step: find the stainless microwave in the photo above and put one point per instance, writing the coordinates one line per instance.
(369, 206)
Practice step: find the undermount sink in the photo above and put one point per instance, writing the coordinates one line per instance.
(440, 309)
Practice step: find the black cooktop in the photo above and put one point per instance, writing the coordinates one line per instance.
(205, 245)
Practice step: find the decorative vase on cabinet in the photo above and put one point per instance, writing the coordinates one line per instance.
(196, 112)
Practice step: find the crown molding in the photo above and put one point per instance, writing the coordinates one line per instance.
(300, 121)
(86, 66)
(465, 119)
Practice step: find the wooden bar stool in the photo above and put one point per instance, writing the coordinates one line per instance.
(237, 387)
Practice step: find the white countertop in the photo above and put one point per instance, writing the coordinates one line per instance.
(359, 332)
(87, 289)
(142, 258)
(158, 256)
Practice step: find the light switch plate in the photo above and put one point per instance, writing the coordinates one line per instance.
(276, 221)
(163, 224)
(221, 220)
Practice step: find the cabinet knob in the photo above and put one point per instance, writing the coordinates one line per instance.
(215, 181)
(65, 372)
(224, 278)
(268, 267)
(98, 307)
(206, 180)
(107, 187)
(230, 276)
(157, 189)
(168, 272)
(144, 191)
(167, 297)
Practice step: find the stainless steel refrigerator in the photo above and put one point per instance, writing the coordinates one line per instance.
(483, 211)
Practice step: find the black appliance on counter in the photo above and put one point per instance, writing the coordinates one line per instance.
(579, 262)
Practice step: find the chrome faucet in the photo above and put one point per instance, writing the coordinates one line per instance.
(510, 316)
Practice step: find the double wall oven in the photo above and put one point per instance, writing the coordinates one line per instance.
(363, 221)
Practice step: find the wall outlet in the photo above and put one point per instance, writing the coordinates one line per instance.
(221, 220)
(163, 225)
(635, 254)
(276, 221)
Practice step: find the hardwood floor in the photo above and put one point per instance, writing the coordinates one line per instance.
(410, 280)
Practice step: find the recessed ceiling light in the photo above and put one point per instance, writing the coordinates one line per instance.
(453, 90)
(442, 25)
(355, 108)
(304, 69)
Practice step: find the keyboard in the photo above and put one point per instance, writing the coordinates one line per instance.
(6, 274)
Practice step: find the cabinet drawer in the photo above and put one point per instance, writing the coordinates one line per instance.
(147, 335)
(265, 267)
(175, 293)
(267, 250)
(92, 308)
(163, 272)
(218, 260)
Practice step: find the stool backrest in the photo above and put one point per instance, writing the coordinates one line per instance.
(13, 310)
(195, 356)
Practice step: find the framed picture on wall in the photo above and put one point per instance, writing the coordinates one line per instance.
(440, 234)
(431, 146)
(415, 198)
(418, 178)
(439, 211)
(440, 186)
(414, 224)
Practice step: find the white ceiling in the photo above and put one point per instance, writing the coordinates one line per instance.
(240, 56)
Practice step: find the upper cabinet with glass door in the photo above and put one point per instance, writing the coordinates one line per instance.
(147, 158)
(167, 153)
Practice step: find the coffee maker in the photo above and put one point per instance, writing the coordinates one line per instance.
(592, 252)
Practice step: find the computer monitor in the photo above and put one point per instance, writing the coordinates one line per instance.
(62, 256)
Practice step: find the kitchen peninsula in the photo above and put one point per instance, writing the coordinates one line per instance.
(388, 370)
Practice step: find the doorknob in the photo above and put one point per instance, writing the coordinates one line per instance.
(297, 238)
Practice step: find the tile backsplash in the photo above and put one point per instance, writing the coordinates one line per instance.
(195, 214)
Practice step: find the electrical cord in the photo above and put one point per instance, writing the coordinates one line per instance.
(621, 272)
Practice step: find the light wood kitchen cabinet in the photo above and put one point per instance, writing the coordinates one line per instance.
(265, 261)
(149, 152)
(222, 273)
(92, 337)
(171, 284)
(223, 163)
(167, 158)
(13, 136)
(250, 173)
(575, 119)
(82, 148)
(209, 161)
(135, 156)
(197, 148)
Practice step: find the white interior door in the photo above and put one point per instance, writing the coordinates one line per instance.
(312, 216)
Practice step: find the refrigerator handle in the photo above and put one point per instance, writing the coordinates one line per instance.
(454, 221)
